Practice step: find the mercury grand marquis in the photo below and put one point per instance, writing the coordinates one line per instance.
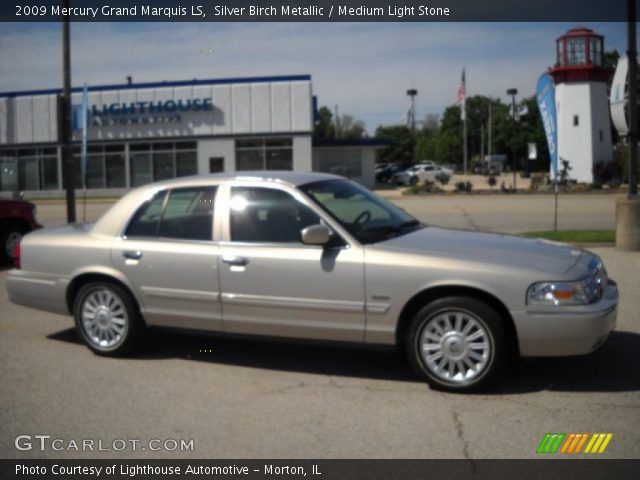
(315, 256)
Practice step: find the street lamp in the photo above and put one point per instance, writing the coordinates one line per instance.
(412, 92)
(513, 92)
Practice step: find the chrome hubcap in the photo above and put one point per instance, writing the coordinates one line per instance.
(455, 346)
(12, 240)
(104, 318)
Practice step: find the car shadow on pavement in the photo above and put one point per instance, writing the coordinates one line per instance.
(615, 367)
(335, 360)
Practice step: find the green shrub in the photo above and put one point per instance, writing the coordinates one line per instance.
(464, 186)
(443, 178)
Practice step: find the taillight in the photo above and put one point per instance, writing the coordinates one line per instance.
(16, 256)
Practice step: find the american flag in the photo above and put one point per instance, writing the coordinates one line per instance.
(462, 91)
(461, 96)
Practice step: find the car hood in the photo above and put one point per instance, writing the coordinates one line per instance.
(491, 248)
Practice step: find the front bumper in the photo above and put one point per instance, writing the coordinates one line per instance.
(565, 331)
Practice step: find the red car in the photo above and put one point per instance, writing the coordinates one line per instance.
(17, 217)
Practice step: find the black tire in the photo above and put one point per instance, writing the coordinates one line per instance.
(413, 181)
(133, 323)
(486, 317)
(9, 232)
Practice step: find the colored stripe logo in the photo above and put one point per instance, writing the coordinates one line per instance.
(572, 443)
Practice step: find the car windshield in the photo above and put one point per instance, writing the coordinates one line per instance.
(363, 214)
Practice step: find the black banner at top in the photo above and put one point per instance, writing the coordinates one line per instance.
(316, 11)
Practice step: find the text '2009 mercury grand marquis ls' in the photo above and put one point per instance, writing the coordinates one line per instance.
(315, 256)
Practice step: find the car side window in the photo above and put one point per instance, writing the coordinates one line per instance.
(146, 220)
(267, 215)
(187, 214)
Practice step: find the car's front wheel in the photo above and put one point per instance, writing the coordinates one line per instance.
(107, 318)
(457, 343)
(413, 181)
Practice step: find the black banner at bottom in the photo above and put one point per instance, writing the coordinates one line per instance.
(543, 469)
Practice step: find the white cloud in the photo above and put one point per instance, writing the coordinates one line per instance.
(363, 68)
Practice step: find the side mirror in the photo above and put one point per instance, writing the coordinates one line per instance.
(315, 235)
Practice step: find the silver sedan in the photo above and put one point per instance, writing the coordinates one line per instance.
(314, 256)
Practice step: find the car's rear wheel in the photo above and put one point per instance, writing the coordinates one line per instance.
(10, 236)
(457, 343)
(107, 318)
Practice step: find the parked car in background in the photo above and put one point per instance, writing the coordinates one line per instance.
(420, 173)
(315, 256)
(385, 174)
(380, 166)
(17, 218)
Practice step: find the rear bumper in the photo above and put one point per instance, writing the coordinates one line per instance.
(578, 331)
(39, 291)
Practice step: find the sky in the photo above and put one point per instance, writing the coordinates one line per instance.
(363, 68)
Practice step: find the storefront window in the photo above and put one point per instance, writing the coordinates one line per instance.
(264, 154)
(140, 165)
(186, 163)
(8, 171)
(249, 159)
(152, 162)
(49, 173)
(162, 165)
(115, 170)
(28, 174)
(95, 171)
(29, 169)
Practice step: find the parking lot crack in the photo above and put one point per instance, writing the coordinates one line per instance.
(468, 218)
(460, 434)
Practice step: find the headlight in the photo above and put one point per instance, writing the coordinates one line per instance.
(581, 292)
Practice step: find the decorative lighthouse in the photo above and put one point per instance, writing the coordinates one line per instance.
(584, 126)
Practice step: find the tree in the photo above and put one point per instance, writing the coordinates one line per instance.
(400, 149)
(351, 129)
(324, 127)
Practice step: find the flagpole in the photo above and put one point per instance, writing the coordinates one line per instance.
(464, 134)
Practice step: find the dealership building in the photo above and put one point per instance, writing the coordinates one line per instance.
(146, 132)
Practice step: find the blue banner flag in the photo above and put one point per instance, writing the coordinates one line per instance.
(546, 96)
(85, 120)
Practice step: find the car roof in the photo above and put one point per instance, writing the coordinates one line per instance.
(278, 176)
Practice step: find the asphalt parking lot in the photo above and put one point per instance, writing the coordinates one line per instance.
(250, 399)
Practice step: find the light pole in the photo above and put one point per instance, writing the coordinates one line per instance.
(513, 92)
(628, 209)
(632, 55)
(412, 92)
(67, 153)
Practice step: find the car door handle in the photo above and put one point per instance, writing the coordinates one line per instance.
(132, 254)
(235, 261)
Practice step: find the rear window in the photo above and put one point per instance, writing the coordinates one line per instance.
(182, 213)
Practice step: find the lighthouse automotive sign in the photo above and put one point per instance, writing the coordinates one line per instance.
(129, 113)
